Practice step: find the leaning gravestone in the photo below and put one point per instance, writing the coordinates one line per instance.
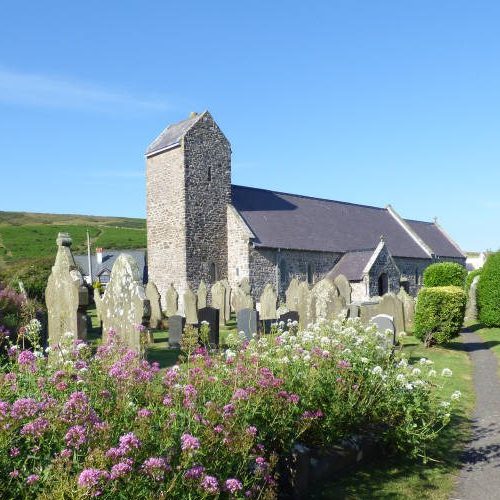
(471, 309)
(303, 303)
(408, 309)
(292, 295)
(176, 326)
(202, 295)
(190, 308)
(322, 304)
(268, 303)
(219, 300)
(153, 296)
(124, 304)
(344, 287)
(248, 322)
(289, 316)
(391, 305)
(211, 316)
(385, 325)
(66, 296)
(171, 300)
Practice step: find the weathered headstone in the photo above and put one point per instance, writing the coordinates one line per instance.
(153, 296)
(211, 316)
(354, 311)
(408, 309)
(171, 300)
(391, 305)
(240, 300)
(368, 310)
(202, 295)
(289, 316)
(282, 309)
(471, 309)
(292, 295)
(344, 287)
(97, 302)
(324, 301)
(266, 325)
(248, 322)
(65, 296)
(268, 303)
(385, 325)
(124, 306)
(227, 308)
(176, 326)
(245, 286)
(219, 300)
(190, 307)
(303, 303)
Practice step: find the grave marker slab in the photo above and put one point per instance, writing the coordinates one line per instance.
(171, 301)
(153, 296)
(292, 295)
(176, 326)
(202, 295)
(290, 315)
(248, 322)
(268, 301)
(190, 308)
(385, 325)
(211, 316)
(219, 300)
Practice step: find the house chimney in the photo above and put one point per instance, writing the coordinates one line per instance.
(98, 254)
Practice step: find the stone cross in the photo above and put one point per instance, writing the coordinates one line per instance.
(66, 296)
(124, 306)
(153, 296)
(202, 295)
(171, 300)
(190, 307)
(268, 301)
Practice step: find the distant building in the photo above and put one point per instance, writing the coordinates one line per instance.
(200, 226)
(475, 260)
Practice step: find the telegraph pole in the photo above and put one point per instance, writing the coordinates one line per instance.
(90, 259)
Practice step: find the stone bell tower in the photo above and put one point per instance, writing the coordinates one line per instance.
(188, 188)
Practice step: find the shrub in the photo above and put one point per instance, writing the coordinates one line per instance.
(111, 425)
(470, 278)
(439, 314)
(488, 291)
(445, 274)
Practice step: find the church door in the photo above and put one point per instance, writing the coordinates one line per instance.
(383, 284)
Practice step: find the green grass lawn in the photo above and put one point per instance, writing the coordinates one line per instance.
(400, 477)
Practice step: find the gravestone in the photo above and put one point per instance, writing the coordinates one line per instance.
(292, 295)
(211, 316)
(153, 296)
(227, 308)
(66, 296)
(354, 311)
(202, 295)
(248, 322)
(282, 309)
(408, 309)
(471, 309)
(303, 303)
(240, 300)
(344, 287)
(322, 301)
(368, 310)
(268, 301)
(97, 302)
(266, 325)
(384, 322)
(124, 306)
(391, 305)
(176, 326)
(219, 300)
(245, 286)
(290, 315)
(171, 301)
(190, 308)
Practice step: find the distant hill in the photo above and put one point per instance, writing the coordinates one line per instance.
(28, 236)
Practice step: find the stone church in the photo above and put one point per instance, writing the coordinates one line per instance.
(200, 226)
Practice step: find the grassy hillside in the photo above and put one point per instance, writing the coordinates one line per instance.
(26, 236)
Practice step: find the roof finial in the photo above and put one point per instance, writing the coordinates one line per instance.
(382, 239)
(193, 114)
(435, 219)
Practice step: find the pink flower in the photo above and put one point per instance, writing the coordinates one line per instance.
(27, 358)
(121, 469)
(228, 410)
(93, 479)
(65, 453)
(129, 441)
(189, 442)
(194, 472)
(167, 400)
(13, 474)
(36, 428)
(155, 467)
(210, 485)
(343, 364)
(252, 430)
(32, 479)
(144, 413)
(14, 452)
(233, 485)
(24, 407)
(76, 436)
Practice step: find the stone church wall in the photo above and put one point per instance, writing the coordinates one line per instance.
(384, 263)
(238, 247)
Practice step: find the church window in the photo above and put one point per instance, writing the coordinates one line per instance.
(213, 274)
(310, 273)
(383, 284)
(283, 271)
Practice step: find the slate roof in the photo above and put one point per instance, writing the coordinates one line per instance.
(351, 265)
(288, 221)
(108, 260)
(172, 135)
(435, 239)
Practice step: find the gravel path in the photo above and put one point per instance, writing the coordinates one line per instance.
(480, 475)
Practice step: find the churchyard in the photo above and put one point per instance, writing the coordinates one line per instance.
(222, 396)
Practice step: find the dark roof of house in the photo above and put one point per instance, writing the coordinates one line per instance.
(282, 220)
(351, 265)
(108, 259)
(435, 239)
(172, 135)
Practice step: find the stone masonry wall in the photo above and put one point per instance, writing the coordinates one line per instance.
(265, 267)
(383, 264)
(166, 228)
(237, 247)
(412, 270)
(208, 192)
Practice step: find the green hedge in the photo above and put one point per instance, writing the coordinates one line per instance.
(470, 278)
(445, 274)
(488, 291)
(439, 313)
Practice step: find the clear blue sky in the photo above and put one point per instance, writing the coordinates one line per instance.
(371, 102)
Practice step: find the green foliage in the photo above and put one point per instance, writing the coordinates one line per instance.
(439, 314)
(470, 278)
(445, 274)
(488, 291)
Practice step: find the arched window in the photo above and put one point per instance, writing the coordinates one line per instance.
(383, 284)
(213, 274)
(310, 273)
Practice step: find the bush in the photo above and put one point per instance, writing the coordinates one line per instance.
(111, 424)
(470, 278)
(488, 291)
(439, 314)
(445, 274)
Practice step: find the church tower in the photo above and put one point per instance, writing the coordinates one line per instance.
(188, 188)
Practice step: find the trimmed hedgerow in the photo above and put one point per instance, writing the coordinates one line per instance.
(470, 278)
(445, 274)
(439, 314)
(488, 291)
